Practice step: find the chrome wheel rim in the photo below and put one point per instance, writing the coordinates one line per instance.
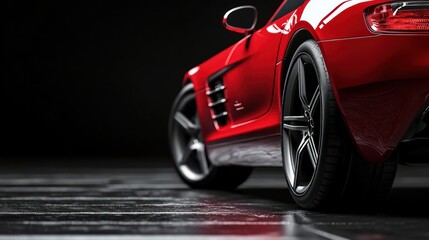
(187, 142)
(302, 124)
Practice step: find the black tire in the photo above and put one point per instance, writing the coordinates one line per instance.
(186, 142)
(338, 176)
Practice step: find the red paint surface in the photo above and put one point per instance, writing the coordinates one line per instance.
(381, 82)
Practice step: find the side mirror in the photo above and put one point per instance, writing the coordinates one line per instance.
(241, 19)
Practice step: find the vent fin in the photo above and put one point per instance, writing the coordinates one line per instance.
(217, 100)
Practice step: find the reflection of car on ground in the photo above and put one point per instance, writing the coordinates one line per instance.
(332, 91)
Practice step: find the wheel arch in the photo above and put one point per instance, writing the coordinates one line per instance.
(186, 81)
(299, 37)
(195, 77)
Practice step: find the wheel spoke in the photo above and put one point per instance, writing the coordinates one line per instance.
(315, 101)
(202, 159)
(302, 86)
(312, 151)
(295, 123)
(298, 157)
(186, 155)
(186, 124)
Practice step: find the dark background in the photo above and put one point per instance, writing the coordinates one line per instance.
(97, 79)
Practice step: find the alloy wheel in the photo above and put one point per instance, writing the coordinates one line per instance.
(302, 124)
(189, 150)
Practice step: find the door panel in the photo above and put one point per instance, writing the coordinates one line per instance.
(249, 85)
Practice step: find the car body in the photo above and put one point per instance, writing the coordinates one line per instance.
(380, 80)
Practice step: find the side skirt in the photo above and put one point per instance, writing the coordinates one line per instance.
(264, 152)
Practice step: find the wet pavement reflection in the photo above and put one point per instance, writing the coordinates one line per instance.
(150, 202)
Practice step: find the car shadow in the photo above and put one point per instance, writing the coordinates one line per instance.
(280, 195)
(407, 202)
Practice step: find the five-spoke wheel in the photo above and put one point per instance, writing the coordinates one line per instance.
(188, 148)
(302, 124)
(189, 151)
(321, 165)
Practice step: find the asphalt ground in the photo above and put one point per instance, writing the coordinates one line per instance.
(145, 199)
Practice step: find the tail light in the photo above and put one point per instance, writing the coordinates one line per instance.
(399, 17)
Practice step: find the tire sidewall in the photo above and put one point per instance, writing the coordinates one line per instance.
(311, 49)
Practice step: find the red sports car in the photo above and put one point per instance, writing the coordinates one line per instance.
(333, 91)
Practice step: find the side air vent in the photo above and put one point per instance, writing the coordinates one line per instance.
(216, 95)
